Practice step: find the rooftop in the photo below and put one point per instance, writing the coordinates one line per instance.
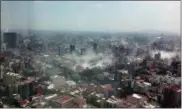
(138, 78)
(136, 96)
(30, 79)
(50, 96)
(123, 71)
(107, 87)
(173, 87)
(51, 86)
(132, 100)
(113, 100)
(146, 83)
(64, 99)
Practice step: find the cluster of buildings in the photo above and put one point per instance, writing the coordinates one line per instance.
(145, 83)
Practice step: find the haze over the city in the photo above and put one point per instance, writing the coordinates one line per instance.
(124, 16)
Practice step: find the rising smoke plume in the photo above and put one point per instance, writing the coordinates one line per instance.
(89, 60)
(164, 54)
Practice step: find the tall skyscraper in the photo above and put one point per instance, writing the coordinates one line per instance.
(60, 50)
(94, 47)
(72, 48)
(157, 56)
(11, 39)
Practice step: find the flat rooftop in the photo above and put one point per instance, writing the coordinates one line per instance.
(64, 99)
(107, 87)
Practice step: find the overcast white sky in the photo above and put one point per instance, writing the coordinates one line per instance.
(92, 15)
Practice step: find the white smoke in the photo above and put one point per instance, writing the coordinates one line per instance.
(164, 54)
(88, 60)
(124, 42)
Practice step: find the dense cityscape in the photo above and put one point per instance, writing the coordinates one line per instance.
(90, 70)
(90, 54)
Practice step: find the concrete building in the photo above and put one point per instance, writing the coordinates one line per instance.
(132, 101)
(111, 103)
(119, 92)
(107, 90)
(79, 100)
(60, 50)
(72, 48)
(82, 51)
(11, 78)
(157, 56)
(171, 96)
(141, 86)
(11, 39)
(3, 47)
(26, 88)
(94, 47)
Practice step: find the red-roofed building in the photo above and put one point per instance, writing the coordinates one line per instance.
(107, 87)
(62, 102)
(107, 90)
(132, 101)
(64, 99)
(22, 102)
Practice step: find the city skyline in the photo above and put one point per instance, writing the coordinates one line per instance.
(119, 16)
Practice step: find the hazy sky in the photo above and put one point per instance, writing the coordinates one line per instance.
(92, 15)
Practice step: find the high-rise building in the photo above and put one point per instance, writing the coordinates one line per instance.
(23, 90)
(82, 50)
(10, 90)
(171, 95)
(94, 47)
(157, 56)
(11, 39)
(60, 50)
(72, 48)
